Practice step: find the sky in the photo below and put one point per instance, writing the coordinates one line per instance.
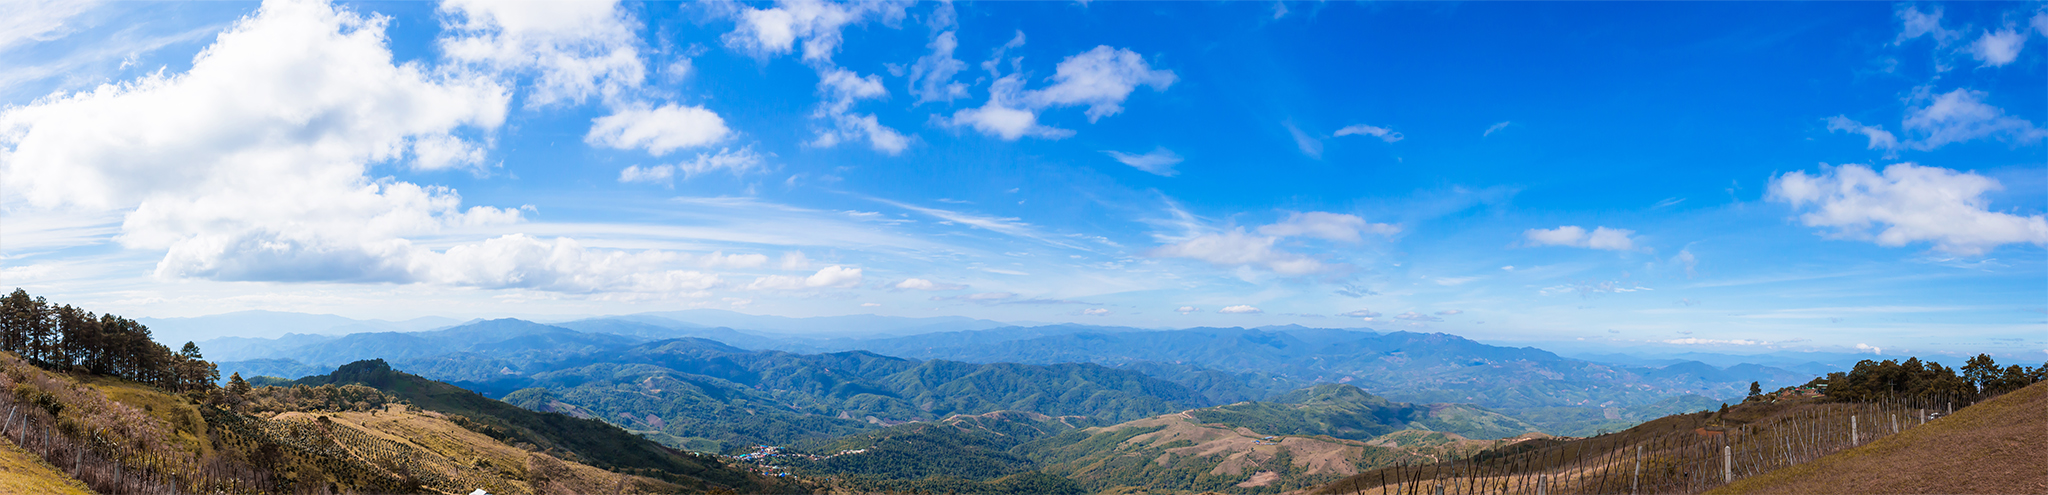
(1732, 177)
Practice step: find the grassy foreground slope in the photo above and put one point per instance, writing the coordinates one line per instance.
(23, 472)
(1991, 447)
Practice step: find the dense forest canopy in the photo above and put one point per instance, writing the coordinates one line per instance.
(67, 338)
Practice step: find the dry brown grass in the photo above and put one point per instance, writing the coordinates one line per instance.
(23, 472)
(1998, 446)
(457, 453)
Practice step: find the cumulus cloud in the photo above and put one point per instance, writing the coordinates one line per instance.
(657, 130)
(1997, 48)
(922, 284)
(573, 50)
(829, 277)
(252, 164)
(520, 261)
(1366, 314)
(1100, 78)
(1383, 133)
(1328, 226)
(1187, 309)
(1907, 203)
(1871, 348)
(1158, 162)
(1576, 236)
(1095, 312)
(1240, 309)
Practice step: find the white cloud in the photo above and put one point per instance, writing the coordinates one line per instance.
(1961, 115)
(1187, 309)
(1871, 348)
(870, 305)
(1998, 48)
(1363, 313)
(841, 89)
(1383, 133)
(718, 259)
(1907, 203)
(562, 265)
(38, 20)
(1158, 162)
(738, 162)
(2040, 23)
(795, 261)
(1913, 24)
(658, 174)
(1309, 145)
(829, 277)
(573, 49)
(931, 77)
(1328, 226)
(1450, 312)
(658, 130)
(1494, 128)
(1880, 139)
(1576, 236)
(1237, 248)
(1414, 316)
(1095, 312)
(1101, 78)
(252, 164)
(922, 284)
(1240, 309)
(775, 31)
(1700, 341)
(1686, 259)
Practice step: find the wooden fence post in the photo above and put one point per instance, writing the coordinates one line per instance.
(1727, 465)
(1637, 482)
(1855, 436)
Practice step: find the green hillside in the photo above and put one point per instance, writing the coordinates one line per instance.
(582, 440)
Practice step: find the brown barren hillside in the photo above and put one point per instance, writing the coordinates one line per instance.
(1998, 446)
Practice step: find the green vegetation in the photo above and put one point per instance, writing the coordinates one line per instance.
(586, 441)
(1913, 378)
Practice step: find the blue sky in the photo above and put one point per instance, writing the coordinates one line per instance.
(1714, 176)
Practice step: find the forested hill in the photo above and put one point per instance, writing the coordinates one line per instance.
(706, 395)
(588, 441)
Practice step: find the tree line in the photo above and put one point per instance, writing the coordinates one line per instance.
(1981, 376)
(66, 338)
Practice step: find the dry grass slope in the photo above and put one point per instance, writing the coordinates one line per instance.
(23, 472)
(1992, 447)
